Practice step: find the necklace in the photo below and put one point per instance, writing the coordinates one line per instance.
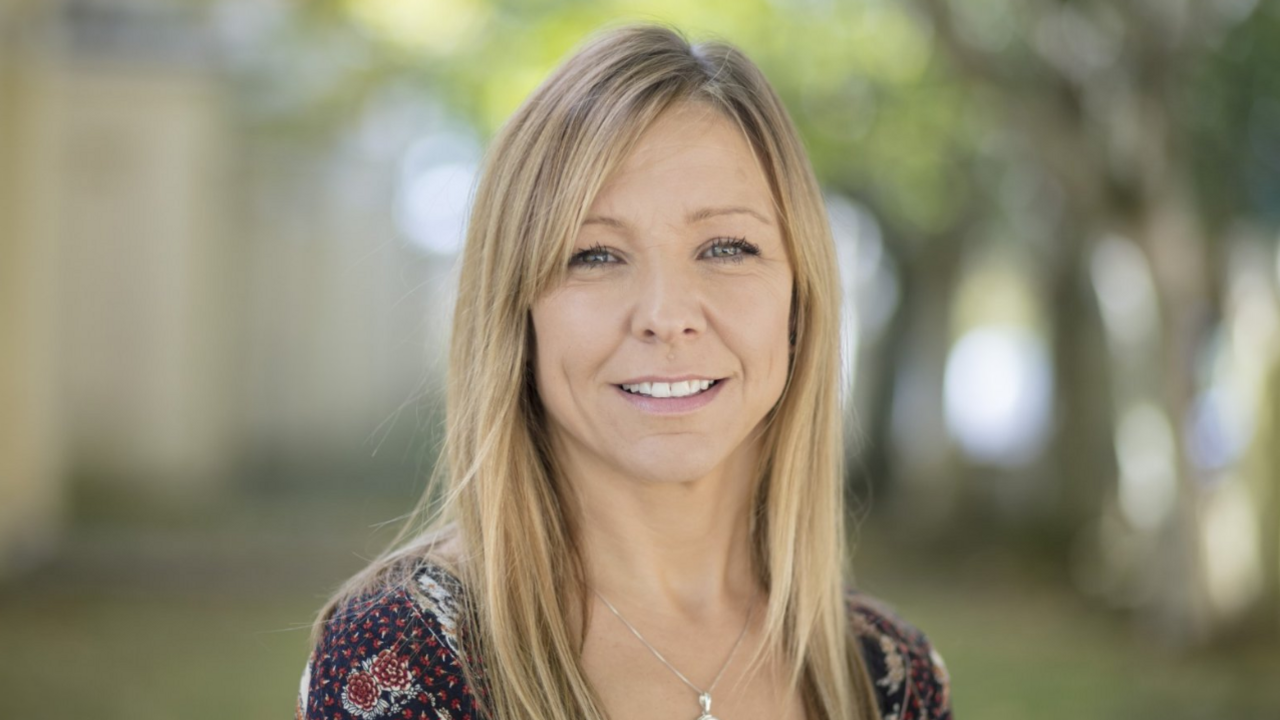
(704, 696)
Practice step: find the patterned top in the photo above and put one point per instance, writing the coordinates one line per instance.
(396, 656)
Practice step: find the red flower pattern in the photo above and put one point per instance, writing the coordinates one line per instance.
(391, 671)
(362, 691)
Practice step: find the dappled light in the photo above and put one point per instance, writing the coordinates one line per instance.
(999, 395)
(436, 178)
(1148, 483)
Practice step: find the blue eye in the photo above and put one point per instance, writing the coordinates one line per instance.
(592, 257)
(732, 250)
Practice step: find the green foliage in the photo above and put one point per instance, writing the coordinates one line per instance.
(1232, 109)
(883, 118)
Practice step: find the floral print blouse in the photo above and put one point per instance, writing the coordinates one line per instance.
(396, 656)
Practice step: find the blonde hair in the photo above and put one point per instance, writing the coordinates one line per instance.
(496, 489)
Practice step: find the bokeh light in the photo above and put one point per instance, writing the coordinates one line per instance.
(999, 395)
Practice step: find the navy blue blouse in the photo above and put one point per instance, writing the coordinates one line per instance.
(395, 656)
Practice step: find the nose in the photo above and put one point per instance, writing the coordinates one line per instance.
(667, 307)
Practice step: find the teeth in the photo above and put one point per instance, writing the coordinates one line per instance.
(684, 388)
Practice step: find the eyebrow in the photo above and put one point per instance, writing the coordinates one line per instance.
(693, 217)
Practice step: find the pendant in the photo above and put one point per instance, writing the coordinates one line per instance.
(705, 701)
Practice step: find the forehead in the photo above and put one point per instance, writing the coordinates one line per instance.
(691, 156)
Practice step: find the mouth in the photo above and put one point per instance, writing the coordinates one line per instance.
(673, 399)
(681, 389)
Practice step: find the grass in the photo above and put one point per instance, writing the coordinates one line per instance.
(1018, 647)
(150, 658)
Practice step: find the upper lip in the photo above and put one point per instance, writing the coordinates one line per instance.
(657, 379)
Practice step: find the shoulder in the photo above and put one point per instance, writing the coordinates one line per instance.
(390, 652)
(909, 675)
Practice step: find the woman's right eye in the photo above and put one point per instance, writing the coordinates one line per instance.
(593, 256)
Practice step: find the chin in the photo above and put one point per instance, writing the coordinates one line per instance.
(670, 469)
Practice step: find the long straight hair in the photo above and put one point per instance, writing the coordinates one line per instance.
(496, 490)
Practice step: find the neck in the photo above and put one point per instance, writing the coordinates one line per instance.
(677, 548)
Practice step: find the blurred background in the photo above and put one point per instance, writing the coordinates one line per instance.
(228, 231)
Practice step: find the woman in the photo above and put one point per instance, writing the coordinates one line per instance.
(641, 484)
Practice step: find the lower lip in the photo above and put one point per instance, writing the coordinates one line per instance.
(672, 406)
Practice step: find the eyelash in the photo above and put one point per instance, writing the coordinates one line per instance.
(743, 247)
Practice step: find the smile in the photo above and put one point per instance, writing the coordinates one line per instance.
(670, 398)
(684, 388)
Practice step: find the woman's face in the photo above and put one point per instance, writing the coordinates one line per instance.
(679, 279)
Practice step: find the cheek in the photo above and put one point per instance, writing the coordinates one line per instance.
(548, 333)
(569, 336)
(757, 319)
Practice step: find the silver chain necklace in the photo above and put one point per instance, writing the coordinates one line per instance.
(704, 696)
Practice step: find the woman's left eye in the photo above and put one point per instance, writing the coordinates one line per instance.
(594, 256)
(731, 249)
